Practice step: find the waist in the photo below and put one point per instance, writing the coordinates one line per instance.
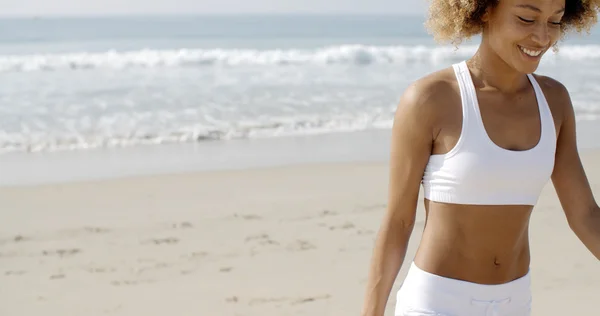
(480, 244)
(484, 271)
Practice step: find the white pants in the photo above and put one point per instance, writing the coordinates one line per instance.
(426, 294)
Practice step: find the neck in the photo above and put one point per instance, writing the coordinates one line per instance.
(492, 72)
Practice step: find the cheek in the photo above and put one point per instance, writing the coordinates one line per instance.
(508, 31)
(506, 36)
(555, 34)
(517, 31)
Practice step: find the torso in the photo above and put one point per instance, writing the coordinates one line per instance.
(482, 244)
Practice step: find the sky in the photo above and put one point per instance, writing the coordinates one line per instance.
(111, 7)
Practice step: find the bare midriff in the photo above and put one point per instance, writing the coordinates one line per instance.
(475, 243)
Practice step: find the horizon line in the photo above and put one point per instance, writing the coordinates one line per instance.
(209, 14)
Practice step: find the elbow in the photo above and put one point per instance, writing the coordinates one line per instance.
(401, 221)
(397, 225)
(407, 225)
(575, 222)
(581, 222)
(587, 228)
(400, 227)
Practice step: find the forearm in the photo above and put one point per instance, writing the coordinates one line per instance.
(587, 230)
(388, 256)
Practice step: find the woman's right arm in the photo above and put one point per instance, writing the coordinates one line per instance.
(411, 143)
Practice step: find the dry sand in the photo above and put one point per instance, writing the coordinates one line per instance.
(280, 241)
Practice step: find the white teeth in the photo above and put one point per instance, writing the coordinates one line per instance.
(532, 53)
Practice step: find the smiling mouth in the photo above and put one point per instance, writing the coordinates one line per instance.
(531, 52)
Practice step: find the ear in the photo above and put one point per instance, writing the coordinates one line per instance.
(485, 17)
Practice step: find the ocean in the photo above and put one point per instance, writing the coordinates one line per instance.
(104, 83)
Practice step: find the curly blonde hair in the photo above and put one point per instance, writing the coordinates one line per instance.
(456, 20)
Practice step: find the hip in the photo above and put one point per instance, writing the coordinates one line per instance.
(424, 293)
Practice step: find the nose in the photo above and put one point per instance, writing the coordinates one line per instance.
(541, 35)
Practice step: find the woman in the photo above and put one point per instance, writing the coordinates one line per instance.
(483, 137)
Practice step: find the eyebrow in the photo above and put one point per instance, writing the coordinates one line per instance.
(536, 9)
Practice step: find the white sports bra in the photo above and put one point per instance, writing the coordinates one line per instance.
(477, 171)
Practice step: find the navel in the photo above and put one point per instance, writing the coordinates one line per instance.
(496, 262)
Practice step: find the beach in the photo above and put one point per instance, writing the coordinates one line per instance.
(280, 240)
(231, 165)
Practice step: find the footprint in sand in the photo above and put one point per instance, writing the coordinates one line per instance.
(325, 213)
(248, 217)
(83, 231)
(15, 239)
(18, 272)
(344, 226)
(94, 270)
(131, 282)
(260, 301)
(233, 299)
(57, 276)
(62, 252)
(96, 230)
(262, 239)
(258, 242)
(195, 255)
(301, 245)
(182, 225)
(155, 266)
(365, 232)
(225, 269)
(19, 238)
(301, 300)
(186, 272)
(311, 299)
(162, 241)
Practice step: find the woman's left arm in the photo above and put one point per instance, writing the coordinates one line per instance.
(571, 183)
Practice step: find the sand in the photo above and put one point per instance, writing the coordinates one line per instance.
(292, 240)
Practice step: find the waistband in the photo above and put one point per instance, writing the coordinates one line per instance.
(519, 288)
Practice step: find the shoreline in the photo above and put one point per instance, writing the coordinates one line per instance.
(24, 169)
(32, 169)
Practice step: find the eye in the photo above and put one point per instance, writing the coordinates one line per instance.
(556, 23)
(525, 20)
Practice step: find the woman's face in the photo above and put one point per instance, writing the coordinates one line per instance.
(521, 31)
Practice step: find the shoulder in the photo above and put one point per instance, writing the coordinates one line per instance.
(429, 98)
(557, 95)
(552, 87)
(419, 117)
